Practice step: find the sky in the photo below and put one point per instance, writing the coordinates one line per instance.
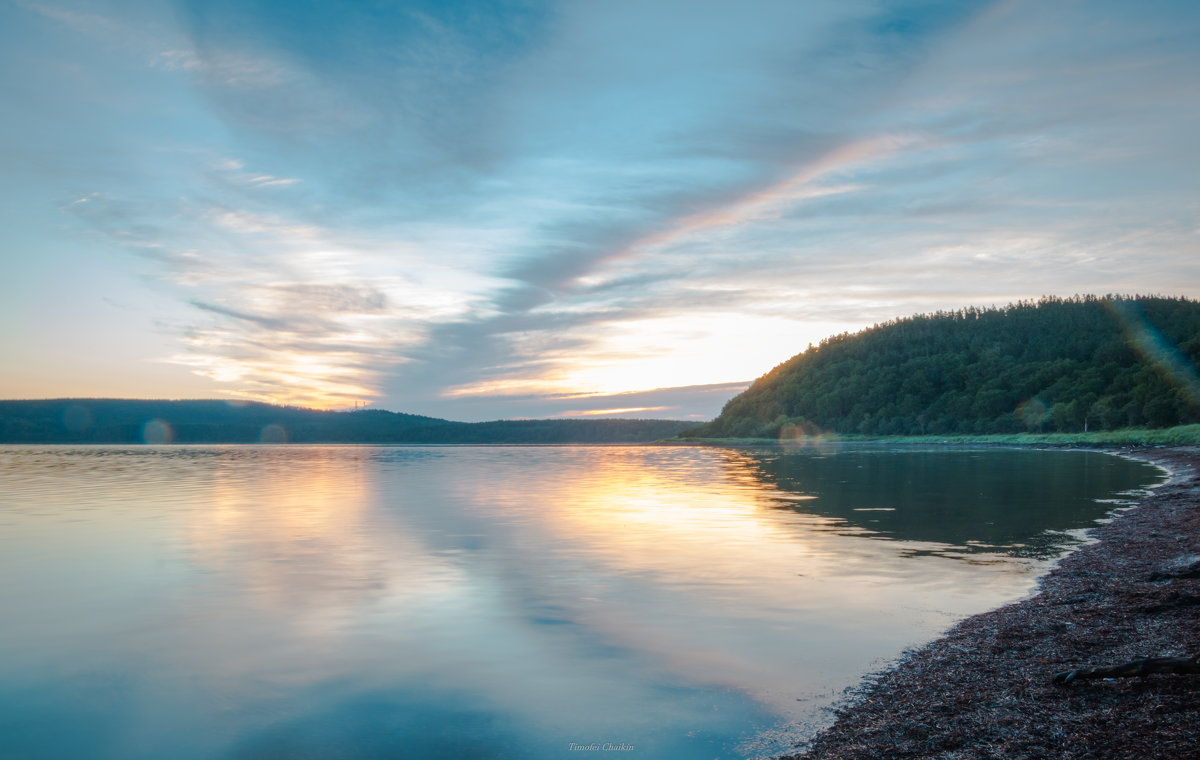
(486, 210)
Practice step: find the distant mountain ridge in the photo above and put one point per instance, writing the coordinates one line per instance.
(1057, 364)
(208, 421)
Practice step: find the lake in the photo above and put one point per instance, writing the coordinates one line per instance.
(255, 602)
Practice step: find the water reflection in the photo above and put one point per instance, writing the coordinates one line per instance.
(261, 602)
(988, 500)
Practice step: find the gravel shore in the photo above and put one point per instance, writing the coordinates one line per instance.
(985, 689)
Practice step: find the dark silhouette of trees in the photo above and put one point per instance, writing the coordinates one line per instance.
(131, 421)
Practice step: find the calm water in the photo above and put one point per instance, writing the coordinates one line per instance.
(395, 602)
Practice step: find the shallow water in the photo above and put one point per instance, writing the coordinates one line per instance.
(463, 602)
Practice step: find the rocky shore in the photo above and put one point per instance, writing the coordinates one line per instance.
(986, 689)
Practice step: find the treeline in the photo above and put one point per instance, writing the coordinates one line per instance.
(1052, 365)
(132, 421)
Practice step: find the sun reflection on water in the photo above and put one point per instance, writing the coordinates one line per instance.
(687, 557)
(246, 596)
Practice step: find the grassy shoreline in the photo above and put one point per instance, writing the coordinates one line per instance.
(1182, 435)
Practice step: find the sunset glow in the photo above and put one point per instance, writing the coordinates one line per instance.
(630, 411)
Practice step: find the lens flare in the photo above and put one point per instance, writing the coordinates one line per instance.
(273, 434)
(805, 433)
(1033, 413)
(1155, 348)
(157, 432)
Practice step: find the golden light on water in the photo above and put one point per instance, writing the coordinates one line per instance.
(642, 518)
(292, 538)
(721, 537)
(560, 582)
(290, 527)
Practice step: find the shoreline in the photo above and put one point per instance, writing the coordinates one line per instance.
(984, 689)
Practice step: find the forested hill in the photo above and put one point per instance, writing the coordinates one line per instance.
(1083, 363)
(132, 421)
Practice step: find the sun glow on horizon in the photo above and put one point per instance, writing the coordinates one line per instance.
(678, 351)
(289, 378)
(684, 350)
(605, 412)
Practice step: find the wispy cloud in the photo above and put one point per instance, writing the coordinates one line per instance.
(227, 68)
(266, 180)
(301, 343)
(283, 311)
(161, 47)
(82, 21)
(694, 402)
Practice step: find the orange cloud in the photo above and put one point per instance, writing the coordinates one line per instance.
(601, 412)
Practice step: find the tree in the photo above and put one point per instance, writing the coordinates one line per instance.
(980, 370)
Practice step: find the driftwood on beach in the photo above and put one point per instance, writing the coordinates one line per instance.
(1135, 669)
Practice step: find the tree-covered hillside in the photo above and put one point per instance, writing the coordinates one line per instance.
(1075, 364)
(135, 421)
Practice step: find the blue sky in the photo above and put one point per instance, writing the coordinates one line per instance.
(479, 210)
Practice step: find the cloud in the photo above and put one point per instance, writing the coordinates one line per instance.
(697, 402)
(266, 180)
(304, 343)
(724, 180)
(547, 295)
(290, 314)
(160, 47)
(432, 205)
(265, 322)
(89, 23)
(231, 68)
(622, 412)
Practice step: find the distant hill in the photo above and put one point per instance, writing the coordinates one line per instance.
(134, 421)
(1075, 364)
